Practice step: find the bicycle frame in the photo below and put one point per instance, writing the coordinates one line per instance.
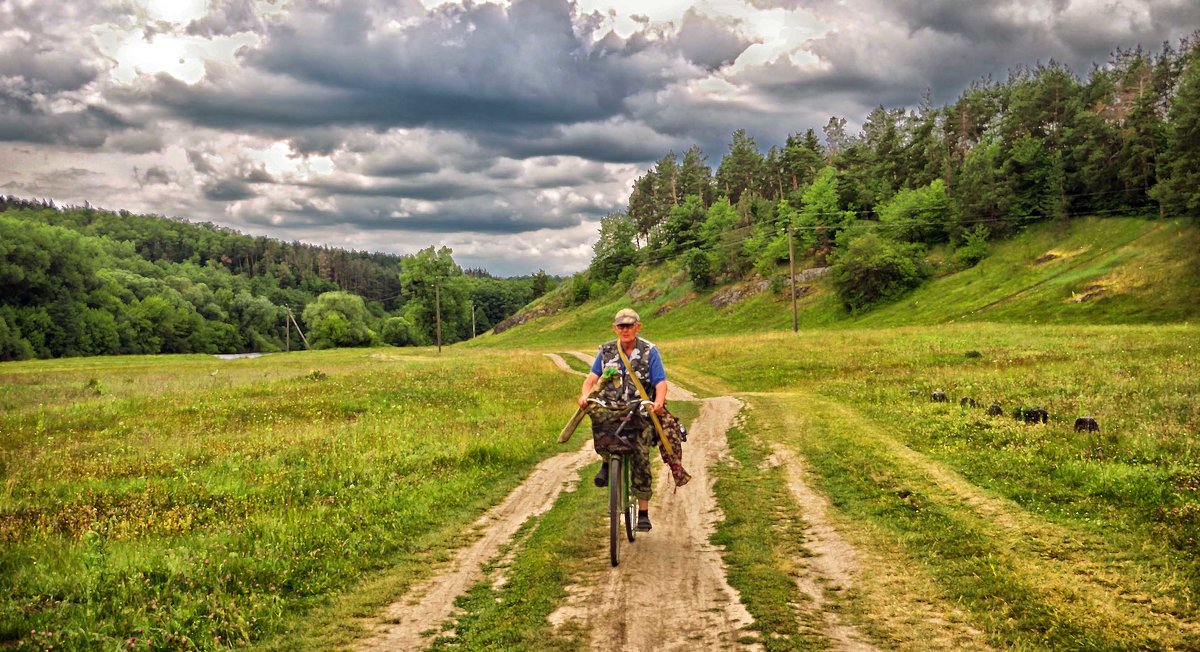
(621, 500)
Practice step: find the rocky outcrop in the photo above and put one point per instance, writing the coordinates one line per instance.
(524, 317)
(737, 292)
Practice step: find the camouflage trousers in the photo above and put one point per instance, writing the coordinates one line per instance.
(642, 482)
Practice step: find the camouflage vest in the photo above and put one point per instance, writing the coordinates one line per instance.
(639, 359)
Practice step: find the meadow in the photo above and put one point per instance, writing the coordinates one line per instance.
(187, 502)
(1047, 538)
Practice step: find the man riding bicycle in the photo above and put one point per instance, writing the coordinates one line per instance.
(646, 363)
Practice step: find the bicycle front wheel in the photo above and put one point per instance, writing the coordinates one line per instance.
(630, 501)
(616, 505)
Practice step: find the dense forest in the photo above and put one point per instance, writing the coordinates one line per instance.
(82, 281)
(1042, 145)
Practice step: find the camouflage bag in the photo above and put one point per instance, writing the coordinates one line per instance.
(676, 435)
(612, 430)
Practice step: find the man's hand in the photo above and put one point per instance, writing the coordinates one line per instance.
(657, 408)
(583, 401)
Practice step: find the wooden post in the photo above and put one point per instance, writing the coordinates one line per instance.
(287, 330)
(472, 320)
(437, 311)
(792, 265)
(297, 325)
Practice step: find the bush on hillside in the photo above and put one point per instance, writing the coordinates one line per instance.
(581, 289)
(627, 276)
(974, 248)
(699, 269)
(918, 214)
(872, 268)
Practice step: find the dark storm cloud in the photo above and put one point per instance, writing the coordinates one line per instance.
(154, 175)
(399, 166)
(471, 68)
(430, 190)
(228, 190)
(32, 119)
(709, 42)
(476, 216)
(889, 52)
(199, 162)
(614, 141)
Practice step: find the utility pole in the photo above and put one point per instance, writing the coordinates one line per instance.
(472, 320)
(293, 318)
(287, 332)
(437, 311)
(792, 265)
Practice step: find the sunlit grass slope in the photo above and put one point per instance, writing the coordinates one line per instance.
(1083, 271)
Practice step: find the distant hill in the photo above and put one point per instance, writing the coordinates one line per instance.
(1083, 271)
(80, 281)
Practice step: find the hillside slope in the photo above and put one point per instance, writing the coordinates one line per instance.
(1085, 271)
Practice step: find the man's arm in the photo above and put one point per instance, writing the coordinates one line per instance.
(588, 384)
(660, 396)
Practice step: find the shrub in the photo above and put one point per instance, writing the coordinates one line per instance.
(974, 248)
(699, 269)
(872, 268)
(580, 289)
(397, 331)
(627, 276)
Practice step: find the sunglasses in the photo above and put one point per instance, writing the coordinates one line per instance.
(624, 326)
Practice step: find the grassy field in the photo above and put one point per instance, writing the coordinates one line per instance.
(1047, 538)
(188, 502)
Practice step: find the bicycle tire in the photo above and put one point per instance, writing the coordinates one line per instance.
(616, 494)
(630, 503)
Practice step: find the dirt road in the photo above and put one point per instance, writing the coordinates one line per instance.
(670, 591)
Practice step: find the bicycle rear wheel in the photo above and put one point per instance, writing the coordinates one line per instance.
(616, 505)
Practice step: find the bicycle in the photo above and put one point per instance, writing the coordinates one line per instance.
(621, 500)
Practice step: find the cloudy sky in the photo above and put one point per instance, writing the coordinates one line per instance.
(502, 130)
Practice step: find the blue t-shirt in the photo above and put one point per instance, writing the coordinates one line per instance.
(657, 373)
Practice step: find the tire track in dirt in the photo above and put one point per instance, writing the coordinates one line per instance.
(430, 603)
(1054, 559)
(670, 591)
(834, 561)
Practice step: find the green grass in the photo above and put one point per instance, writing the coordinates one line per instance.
(1114, 510)
(762, 536)
(186, 509)
(274, 502)
(560, 545)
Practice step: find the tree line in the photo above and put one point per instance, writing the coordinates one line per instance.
(1043, 144)
(82, 281)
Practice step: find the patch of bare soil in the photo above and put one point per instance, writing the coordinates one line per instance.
(431, 602)
(562, 364)
(834, 562)
(670, 591)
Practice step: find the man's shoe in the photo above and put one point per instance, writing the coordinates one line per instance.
(643, 524)
(601, 478)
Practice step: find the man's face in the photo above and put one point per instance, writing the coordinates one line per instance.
(627, 334)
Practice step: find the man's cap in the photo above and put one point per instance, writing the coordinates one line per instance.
(625, 316)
